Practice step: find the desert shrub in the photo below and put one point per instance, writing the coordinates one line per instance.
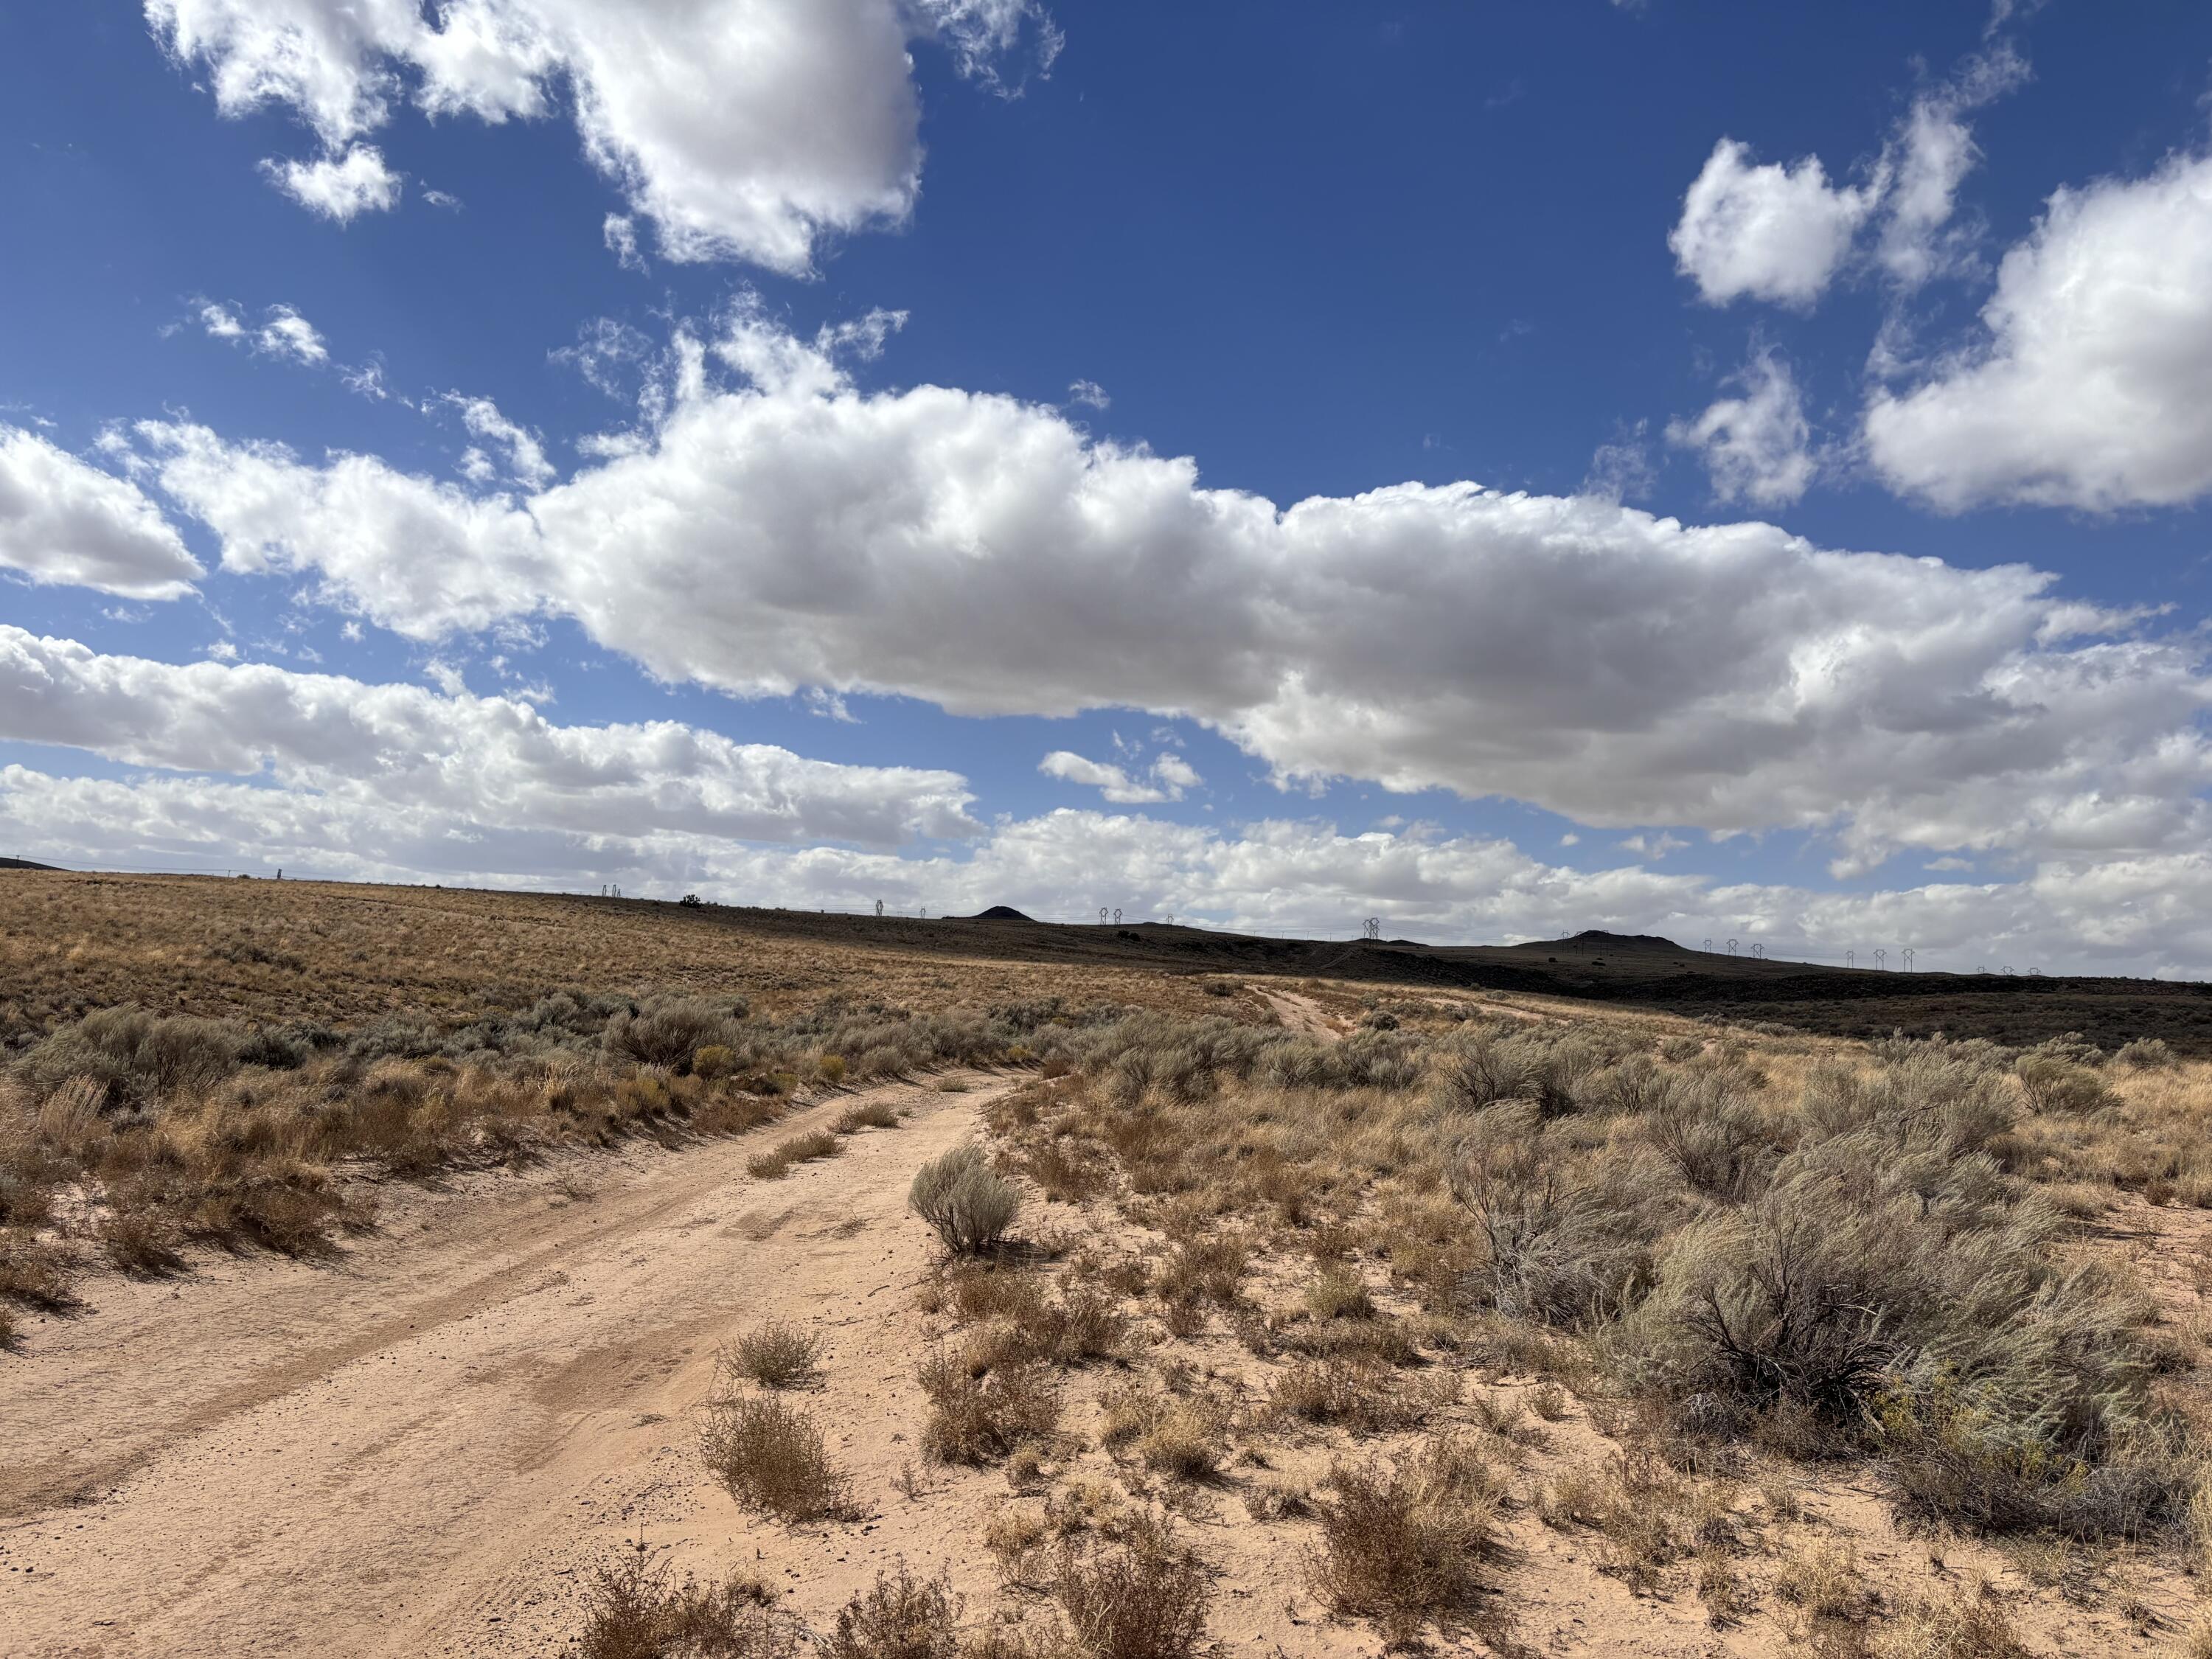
(636, 1610)
(1716, 1139)
(771, 1457)
(1869, 1274)
(979, 1413)
(671, 1031)
(830, 1068)
(1961, 1458)
(142, 1242)
(774, 1355)
(2146, 1054)
(33, 1273)
(968, 1206)
(2061, 1086)
(138, 1056)
(1554, 1252)
(1949, 1098)
(1405, 1543)
(899, 1617)
(1145, 1597)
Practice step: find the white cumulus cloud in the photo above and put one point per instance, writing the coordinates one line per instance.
(777, 528)
(1764, 230)
(744, 128)
(380, 755)
(1758, 446)
(340, 186)
(1168, 777)
(2092, 387)
(65, 521)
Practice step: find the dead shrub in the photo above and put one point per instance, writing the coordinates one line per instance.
(774, 1355)
(142, 1242)
(968, 1206)
(1145, 1597)
(771, 1457)
(1406, 1543)
(980, 1415)
(1555, 1254)
(636, 1610)
(1065, 1174)
(33, 1273)
(899, 1617)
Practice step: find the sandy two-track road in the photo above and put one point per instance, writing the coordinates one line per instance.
(425, 1447)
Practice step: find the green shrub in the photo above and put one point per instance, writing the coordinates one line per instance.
(2146, 1054)
(2058, 1085)
(969, 1206)
(671, 1031)
(138, 1055)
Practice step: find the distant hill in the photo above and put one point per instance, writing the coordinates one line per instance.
(24, 864)
(997, 913)
(1630, 970)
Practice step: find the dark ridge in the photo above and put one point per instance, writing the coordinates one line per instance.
(1598, 938)
(998, 913)
(24, 864)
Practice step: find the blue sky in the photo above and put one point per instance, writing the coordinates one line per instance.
(361, 515)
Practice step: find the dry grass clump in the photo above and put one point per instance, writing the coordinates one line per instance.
(1968, 1623)
(1182, 1435)
(1406, 1543)
(1142, 1597)
(636, 1610)
(779, 1160)
(1830, 1601)
(898, 1617)
(1340, 1294)
(774, 1355)
(1359, 1394)
(771, 1458)
(1025, 1324)
(867, 1115)
(968, 1207)
(981, 1411)
(33, 1273)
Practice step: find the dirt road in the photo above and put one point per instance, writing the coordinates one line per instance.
(1298, 1013)
(423, 1449)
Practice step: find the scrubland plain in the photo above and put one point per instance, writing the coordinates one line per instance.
(404, 1272)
